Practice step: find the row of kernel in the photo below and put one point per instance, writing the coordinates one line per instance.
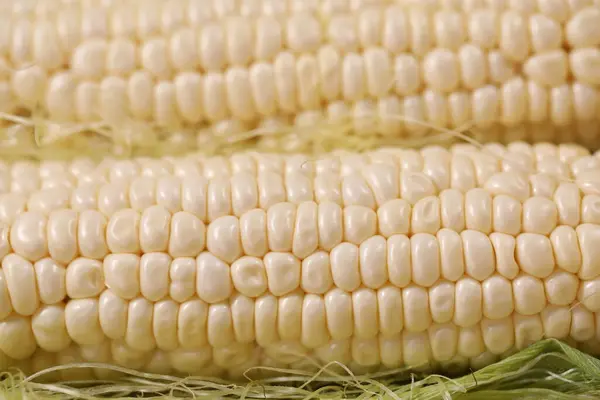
(369, 185)
(235, 360)
(504, 207)
(308, 321)
(395, 27)
(362, 28)
(28, 176)
(366, 91)
(128, 20)
(422, 259)
(360, 355)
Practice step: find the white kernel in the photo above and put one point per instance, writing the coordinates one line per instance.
(28, 235)
(342, 32)
(585, 101)
(191, 324)
(540, 215)
(164, 107)
(546, 33)
(49, 329)
(89, 59)
(486, 103)
(213, 281)
(484, 28)
(366, 318)
(561, 288)
(389, 301)
(425, 255)
(353, 77)
(452, 207)
(514, 102)
(421, 38)
(253, 231)
(94, 22)
(514, 36)
(470, 342)
(265, 323)
(121, 57)
(549, 68)
(68, 26)
(468, 302)
(164, 324)
(416, 186)
(138, 335)
(154, 275)
(84, 278)
(212, 47)
(359, 224)
(218, 198)
(378, 70)
(239, 93)
(473, 66)
(82, 321)
(182, 275)
(369, 23)
(440, 69)
(21, 48)
(140, 92)
(528, 330)
(452, 261)
(529, 294)
(478, 210)
(583, 28)
(242, 314)
(407, 74)
(47, 52)
(283, 272)
(112, 313)
(20, 280)
(442, 301)
(395, 30)
(590, 266)
(415, 300)
(480, 260)
(584, 65)
(450, 29)
(187, 236)
(373, 253)
(122, 232)
(303, 33)
(16, 337)
(112, 100)
(60, 97)
(338, 308)
(497, 297)
(314, 322)
(120, 23)
(121, 274)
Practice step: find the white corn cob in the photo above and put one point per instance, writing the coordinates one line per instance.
(379, 260)
(237, 66)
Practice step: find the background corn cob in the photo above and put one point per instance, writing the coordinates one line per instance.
(203, 71)
(454, 257)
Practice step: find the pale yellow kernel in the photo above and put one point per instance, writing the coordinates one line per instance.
(529, 295)
(548, 68)
(583, 28)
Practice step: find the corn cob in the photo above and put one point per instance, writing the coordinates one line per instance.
(513, 69)
(379, 260)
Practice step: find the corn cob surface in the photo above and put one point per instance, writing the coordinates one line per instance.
(209, 266)
(209, 71)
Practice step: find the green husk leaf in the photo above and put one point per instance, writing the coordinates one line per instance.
(549, 370)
